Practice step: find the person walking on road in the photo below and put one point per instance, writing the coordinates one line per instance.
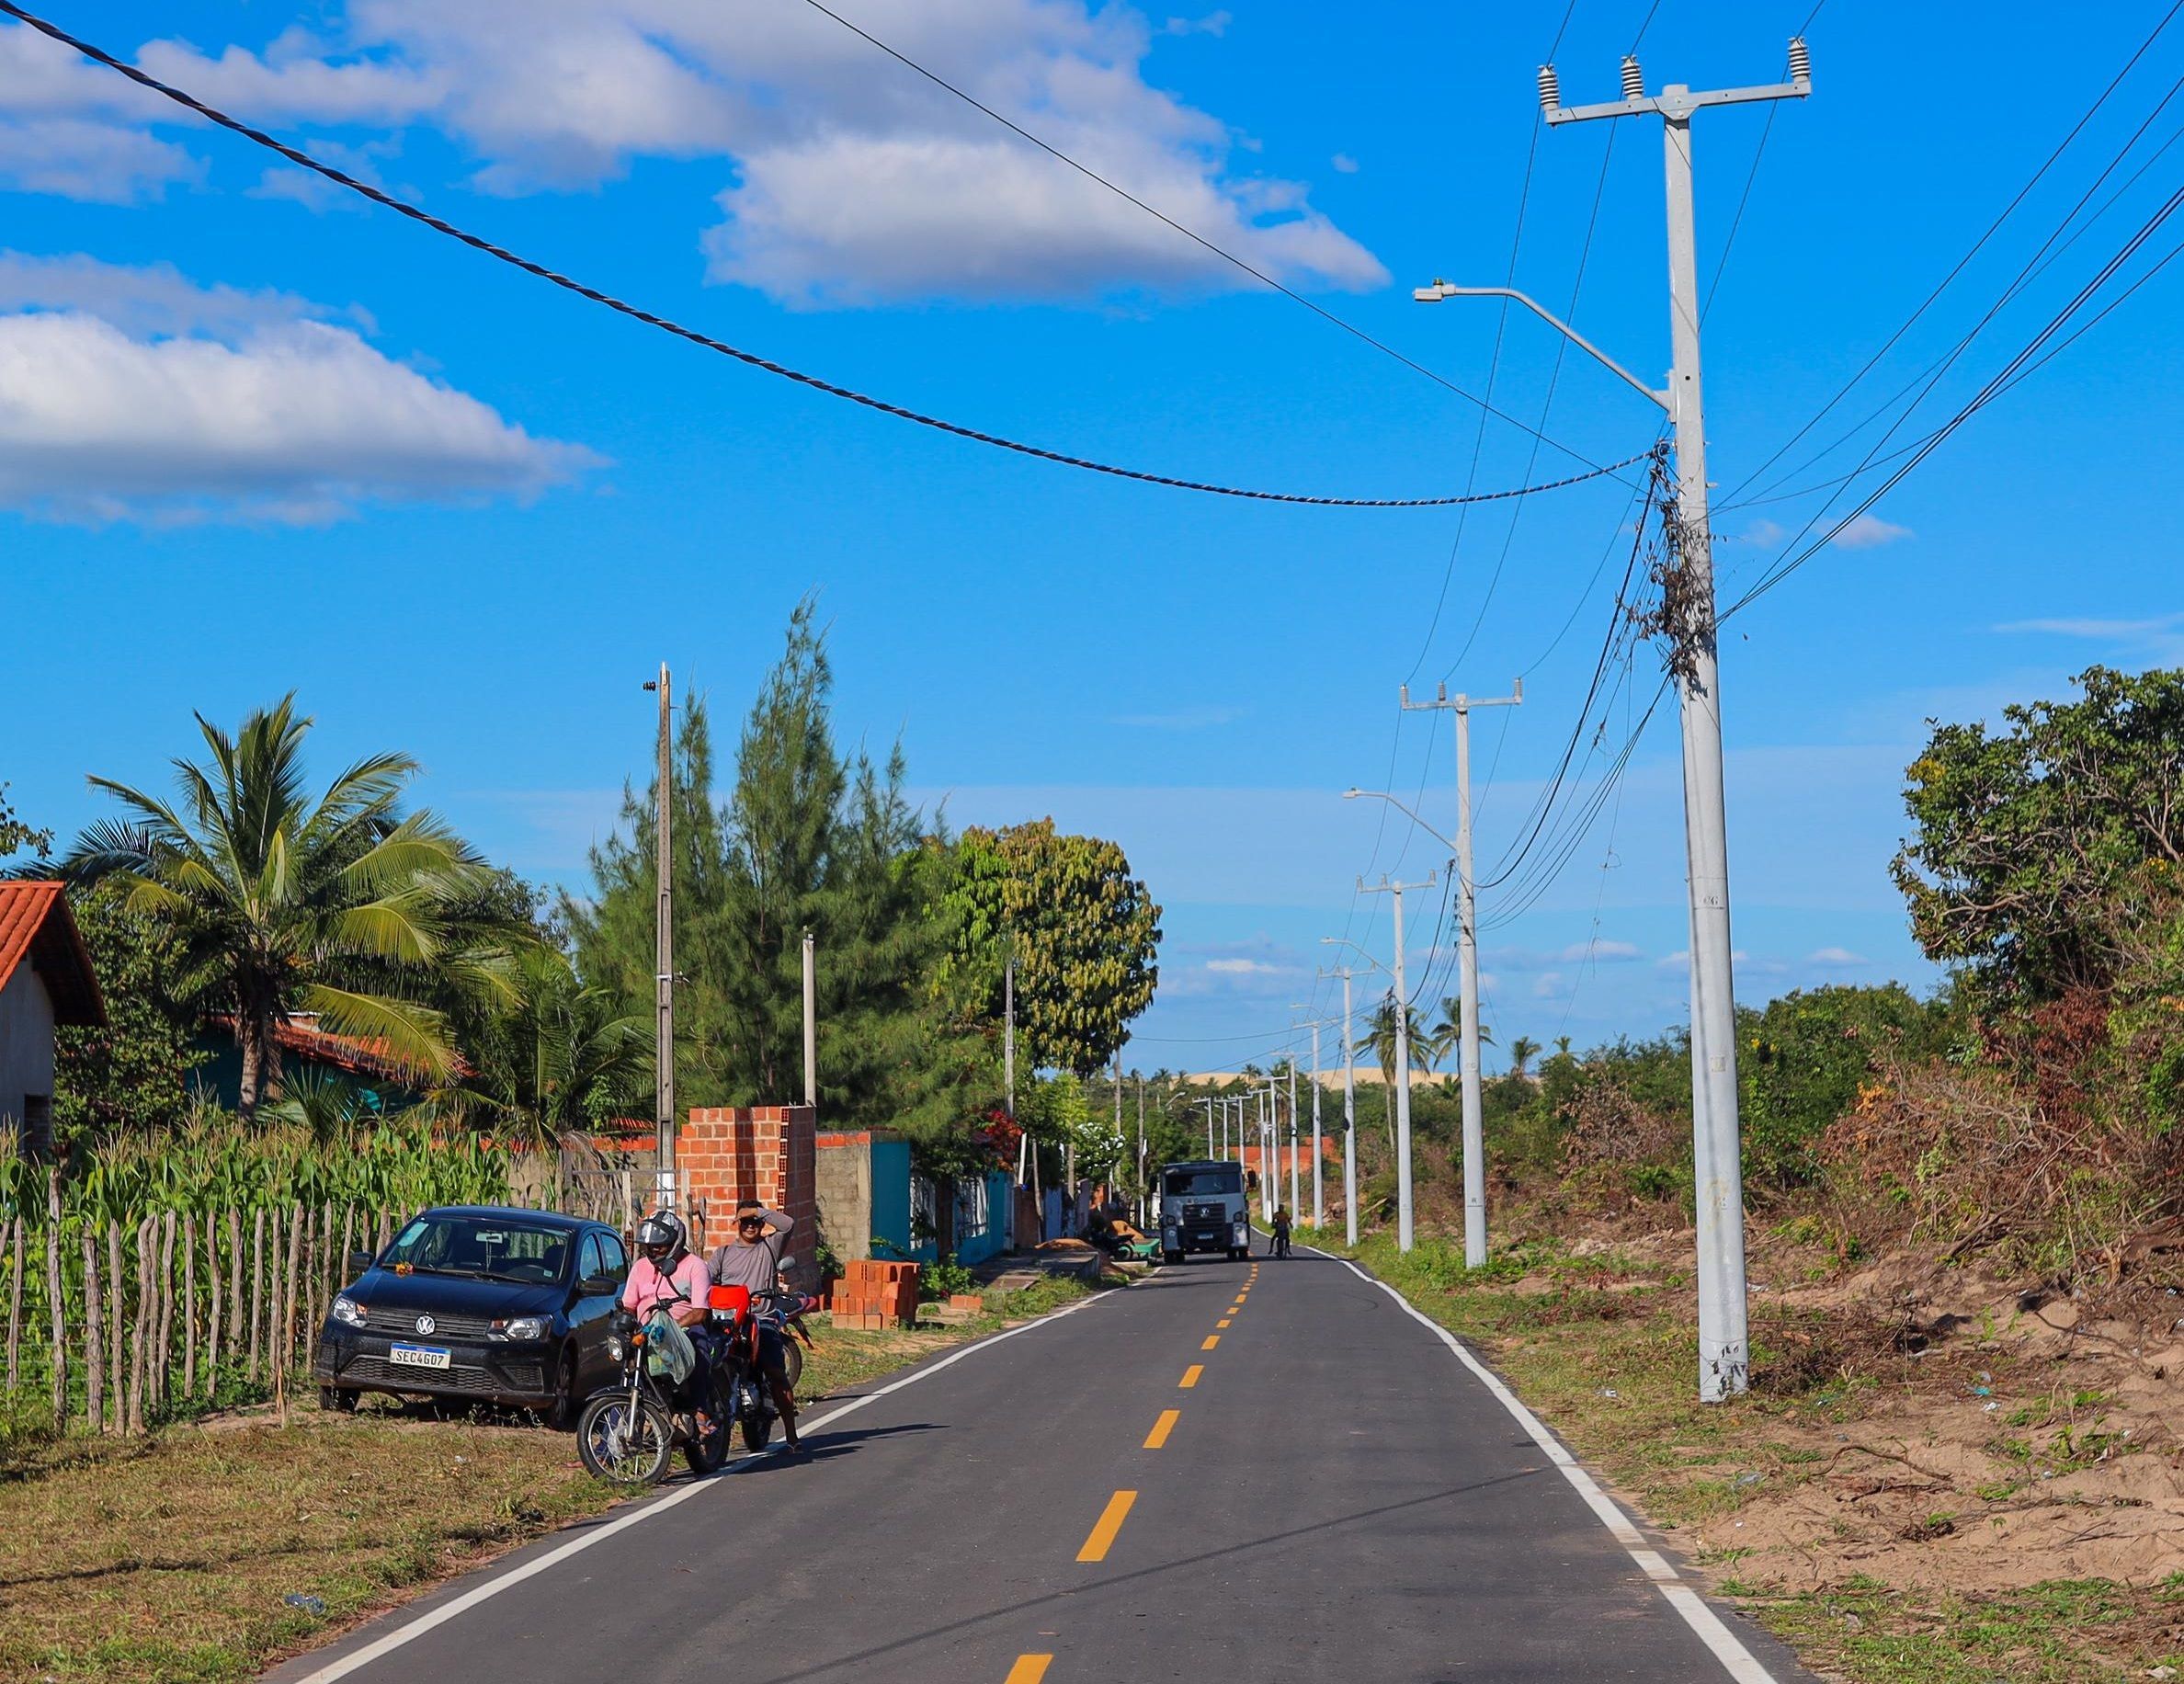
(1282, 1231)
(752, 1258)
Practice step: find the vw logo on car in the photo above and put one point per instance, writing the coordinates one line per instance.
(427, 1325)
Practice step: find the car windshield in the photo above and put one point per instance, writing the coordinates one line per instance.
(1204, 1183)
(485, 1247)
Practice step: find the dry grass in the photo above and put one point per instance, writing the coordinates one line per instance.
(171, 1560)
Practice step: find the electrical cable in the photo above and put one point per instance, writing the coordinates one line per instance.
(1958, 267)
(1985, 395)
(1086, 170)
(304, 160)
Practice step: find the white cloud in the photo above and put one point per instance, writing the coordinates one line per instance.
(212, 403)
(2110, 630)
(1763, 532)
(1241, 967)
(1212, 23)
(1836, 959)
(98, 162)
(1870, 532)
(856, 179)
(1600, 952)
(1344, 165)
(1549, 986)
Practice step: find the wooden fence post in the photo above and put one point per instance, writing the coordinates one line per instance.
(295, 1262)
(59, 1305)
(136, 1331)
(117, 1314)
(93, 1343)
(189, 1304)
(162, 1390)
(234, 1320)
(14, 1299)
(212, 1304)
(258, 1286)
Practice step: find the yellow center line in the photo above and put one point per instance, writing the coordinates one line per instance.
(1190, 1375)
(1029, 1670)
(1222, 1322)
(1162, 1428)
(1108, 1524)
(1212, 1340)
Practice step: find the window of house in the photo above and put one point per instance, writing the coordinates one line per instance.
(37, 1138)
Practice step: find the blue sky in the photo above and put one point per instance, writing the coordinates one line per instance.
(259, 436)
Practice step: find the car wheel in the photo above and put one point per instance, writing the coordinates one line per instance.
(561, 1414)
(1171, 1257)
(338, 1399)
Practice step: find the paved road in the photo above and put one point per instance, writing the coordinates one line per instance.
(1269, 1472)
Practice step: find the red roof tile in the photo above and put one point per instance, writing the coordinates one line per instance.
(35, 924)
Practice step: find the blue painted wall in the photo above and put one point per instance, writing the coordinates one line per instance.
(891, 1199)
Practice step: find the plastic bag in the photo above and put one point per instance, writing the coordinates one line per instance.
(668, 1353)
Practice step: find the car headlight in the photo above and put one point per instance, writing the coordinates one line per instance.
(349, 1312)
(522, 1327)
(1242, 1227)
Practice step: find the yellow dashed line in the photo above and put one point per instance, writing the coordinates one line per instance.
(1190, 1376)
(1162, 1428)
(1212, 1340)
(1108, 1524)
(1029, 1670)
(1222, 1322)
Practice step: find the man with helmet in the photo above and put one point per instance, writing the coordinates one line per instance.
(669, 1276)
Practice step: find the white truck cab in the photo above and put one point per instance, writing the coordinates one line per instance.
(1203, 1208)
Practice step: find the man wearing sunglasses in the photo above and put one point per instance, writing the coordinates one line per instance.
(752, 1258)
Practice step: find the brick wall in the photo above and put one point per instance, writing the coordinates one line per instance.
(725, 1154)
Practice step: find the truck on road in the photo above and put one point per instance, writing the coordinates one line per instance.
(1203, 1207)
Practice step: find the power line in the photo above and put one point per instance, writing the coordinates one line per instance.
(1222, 252)
(1959, 267)
(440, 225)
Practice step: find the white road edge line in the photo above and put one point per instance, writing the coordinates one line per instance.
(360, 1658)
(1739, 1662)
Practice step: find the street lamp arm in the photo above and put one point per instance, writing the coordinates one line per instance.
(1441, 289)
(1402, 807)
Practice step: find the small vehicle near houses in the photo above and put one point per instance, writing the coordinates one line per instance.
(1203, 1208)
(478, 1302)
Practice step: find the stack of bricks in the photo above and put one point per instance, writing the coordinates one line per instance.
(727, 1153)
(875, 1295)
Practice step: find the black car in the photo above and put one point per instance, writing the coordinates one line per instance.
(478, 1302)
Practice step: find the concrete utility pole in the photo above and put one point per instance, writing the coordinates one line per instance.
(1467, 962)
(1724, 1352)
(1318, 1205)
(1295, 1206)
(1142, 1200)
(1118, 1110)
(664, 956)
(1008, 1063)
(1209, 1105)
(1402, 1003)
(810, 1024)
(1349, 1084)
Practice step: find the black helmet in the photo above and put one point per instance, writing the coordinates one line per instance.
(662, 1230)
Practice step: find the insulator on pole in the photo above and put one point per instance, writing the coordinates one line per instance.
(1550, 88)
(1633, 79)
(1801, 60)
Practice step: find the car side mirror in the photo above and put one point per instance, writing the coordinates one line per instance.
(598, 1286)
(358, 1261)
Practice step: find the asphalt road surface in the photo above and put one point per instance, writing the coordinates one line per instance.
(1269, 1472)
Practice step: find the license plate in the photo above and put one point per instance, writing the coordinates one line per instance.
(418, 1355)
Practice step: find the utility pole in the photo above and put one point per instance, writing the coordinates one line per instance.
(1724, 1352)
(1292, 1138)
(1402, 1006)
(1118, 1110)
(663, 957)
(1349, 1117)
(1467, 949)
(1141, 1153)
(1318, 1206)
(1008, 1062)
(810, 1024)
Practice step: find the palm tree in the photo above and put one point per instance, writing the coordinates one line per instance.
(563, 1058)
(343, 906)
(1561, 1046)
(1379, 1040)
(1447, 1036)
(1522, 1051)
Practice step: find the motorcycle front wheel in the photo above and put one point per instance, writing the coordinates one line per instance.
(757, 1430)
(623, 1446)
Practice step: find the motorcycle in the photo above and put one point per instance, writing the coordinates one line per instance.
(738, 1317)
(628, 1431)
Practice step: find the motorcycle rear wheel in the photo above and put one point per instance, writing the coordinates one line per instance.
(792, 1354)
(622, 1448)
(706, 1454)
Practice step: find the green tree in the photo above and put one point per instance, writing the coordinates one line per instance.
(343, 906)
(2031, 844)
(1522, 1051)
(1379, 1040)
(17, 836)
(1445, 1039)
(132, 1075)
(1084, 932)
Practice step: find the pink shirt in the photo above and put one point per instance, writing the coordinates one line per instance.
(648, 1289)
